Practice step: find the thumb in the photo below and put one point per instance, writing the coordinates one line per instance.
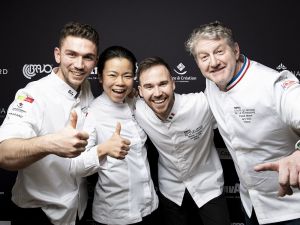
(118, 129)
(73, 119)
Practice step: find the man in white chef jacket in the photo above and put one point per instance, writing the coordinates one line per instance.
(181, 128)
(258, 117)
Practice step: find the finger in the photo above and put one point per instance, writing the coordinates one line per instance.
(125, 147)
(294, 177)
(274, 166)
(118, 129)
(81, 145)
(73, 119)
(82, 135)
(126, 141)
(284, 177)
(284, 190)
(121, 157)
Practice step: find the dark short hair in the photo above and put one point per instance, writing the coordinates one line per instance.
(80, 30)
(150, 62)
(115, 52)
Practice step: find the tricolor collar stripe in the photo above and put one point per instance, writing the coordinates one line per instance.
(239, 75)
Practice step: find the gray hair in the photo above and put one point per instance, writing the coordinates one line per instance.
(211, 31)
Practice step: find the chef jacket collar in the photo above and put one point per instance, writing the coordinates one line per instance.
(63, 86)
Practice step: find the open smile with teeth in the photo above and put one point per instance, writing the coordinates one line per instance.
(159, 101)
(77, 73)
(119, 91)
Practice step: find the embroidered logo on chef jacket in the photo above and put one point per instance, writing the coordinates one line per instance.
(245, 115)
(194, 134)
(21, 105)
(288, 83)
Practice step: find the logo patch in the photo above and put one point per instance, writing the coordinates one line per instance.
(194, 134)
(25, 98)
(286, 84)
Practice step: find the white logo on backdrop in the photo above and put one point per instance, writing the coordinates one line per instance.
(181, 71)
(281, 67)
(31, 70)
(180, 67)
(94, 74)
(3, 71)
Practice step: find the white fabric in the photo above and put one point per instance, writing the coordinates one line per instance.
(43, 107)
(187, 155)
(259, 120)
(124, 192)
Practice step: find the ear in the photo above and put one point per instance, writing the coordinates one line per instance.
(140, 91)
(57, 55)
(173, 83)
(236, 50)
(100, 78)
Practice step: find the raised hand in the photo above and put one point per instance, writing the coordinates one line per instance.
(289, 172)
(116, 147)
(69, 142)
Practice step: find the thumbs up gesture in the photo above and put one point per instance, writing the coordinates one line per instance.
(69, 142)
(116, 147)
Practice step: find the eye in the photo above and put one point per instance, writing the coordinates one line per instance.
(71, 54)
(220, 52)
(148, 87)
(128, 76)
(163, 84)
(112, 75)
(89, 58)
(203, 57)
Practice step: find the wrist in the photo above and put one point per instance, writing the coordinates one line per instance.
(101, 150)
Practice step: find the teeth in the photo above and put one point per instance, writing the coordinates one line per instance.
(159, 101)
(76, 73)
(119, 91)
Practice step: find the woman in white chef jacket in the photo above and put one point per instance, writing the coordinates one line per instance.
(124, 193)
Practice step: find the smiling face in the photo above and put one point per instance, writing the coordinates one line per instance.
(117, 78)
(157, 89)
(217, 60)
(76, 57)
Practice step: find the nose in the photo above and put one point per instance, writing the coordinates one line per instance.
(213, 61)
(119, 80)
(157, 91)
(79, 63)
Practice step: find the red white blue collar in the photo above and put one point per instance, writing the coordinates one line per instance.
(239, 75)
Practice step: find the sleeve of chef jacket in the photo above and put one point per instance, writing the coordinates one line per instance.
(287, 95)
(88, 162)
(24, 116)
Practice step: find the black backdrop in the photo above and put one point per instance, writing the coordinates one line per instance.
(267, 31)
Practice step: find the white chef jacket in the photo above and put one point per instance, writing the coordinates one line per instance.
(259, 118)
(124, 192)
(187, 155)
(43, 107)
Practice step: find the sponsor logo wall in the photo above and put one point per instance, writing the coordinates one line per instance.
(160, 28)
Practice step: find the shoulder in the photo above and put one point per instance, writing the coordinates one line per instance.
(140, 104)
(197, 99)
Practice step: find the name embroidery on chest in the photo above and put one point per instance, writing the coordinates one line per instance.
(245, 115)
(194, 134)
